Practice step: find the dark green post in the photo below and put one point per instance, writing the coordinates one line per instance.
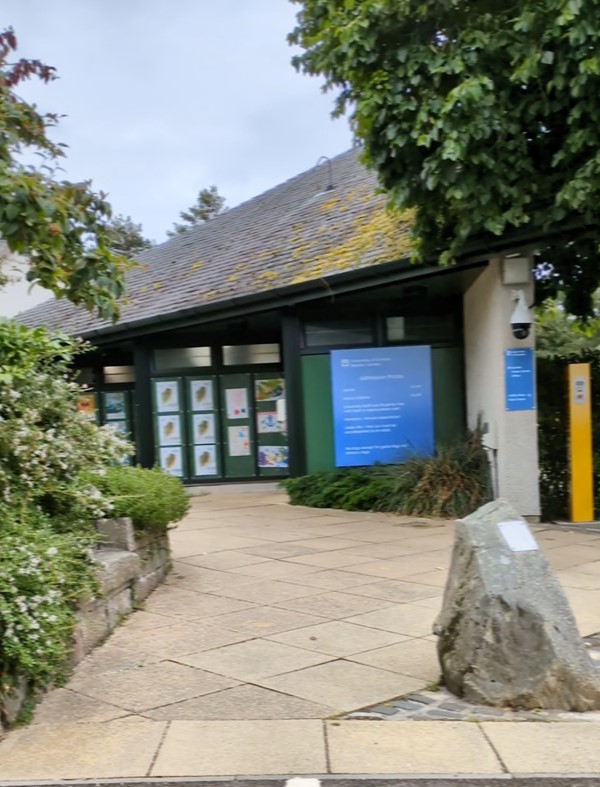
(142, 405)
(290, 345)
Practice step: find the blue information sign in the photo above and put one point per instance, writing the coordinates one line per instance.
(519, 379)
(382, 404)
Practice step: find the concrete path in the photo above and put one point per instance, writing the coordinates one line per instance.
(274, 621)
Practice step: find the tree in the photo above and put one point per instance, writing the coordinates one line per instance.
(209, 204)
(125, 237)
(483, 116)
(558, 333)
(62, 228)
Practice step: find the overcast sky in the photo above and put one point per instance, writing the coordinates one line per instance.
(165, 97)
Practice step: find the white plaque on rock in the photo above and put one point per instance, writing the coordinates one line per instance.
(517, 536)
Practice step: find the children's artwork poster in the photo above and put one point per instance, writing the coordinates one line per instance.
(205, 460)
(267, 423)
(237, 403)
(118, 427)
(238, 440)
(203, 425)
(166, 396)
(201, 395)
(273, 456)
(270, 390)
(169, 430)
(171, 460)
(114, 406)
(86, 405)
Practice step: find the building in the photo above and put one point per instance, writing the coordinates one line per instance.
(291, 334)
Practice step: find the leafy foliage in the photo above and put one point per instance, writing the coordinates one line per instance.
(209, 203)
(482, 116)
(61, 227)
(559, 333)
(48, 448)
(451, 484)
(151, 498)
(48, 452)
(350, 489)
(125, 237)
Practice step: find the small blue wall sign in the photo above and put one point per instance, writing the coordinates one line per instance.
(382, 404)
(519, 379)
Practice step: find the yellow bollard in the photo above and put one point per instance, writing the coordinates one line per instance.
(580, 443)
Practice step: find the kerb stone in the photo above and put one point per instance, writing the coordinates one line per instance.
(507, 635)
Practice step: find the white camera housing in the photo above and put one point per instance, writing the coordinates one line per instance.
(521, 318)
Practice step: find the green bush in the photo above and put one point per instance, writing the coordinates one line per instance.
(450, 484)
(355, 489)
(151, 498)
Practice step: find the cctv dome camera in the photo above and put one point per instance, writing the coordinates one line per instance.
(521, 319)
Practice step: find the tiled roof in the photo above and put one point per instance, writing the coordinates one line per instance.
(294, 233)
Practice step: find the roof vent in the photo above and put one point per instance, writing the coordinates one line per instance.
(330, 185)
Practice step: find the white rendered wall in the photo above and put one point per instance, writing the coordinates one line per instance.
(511, 436)
(18, 294)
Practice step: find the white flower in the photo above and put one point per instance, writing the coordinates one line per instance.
(51, 551)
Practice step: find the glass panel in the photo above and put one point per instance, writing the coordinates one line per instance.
(242, 354)
(334, 334)
(119, 374)
(395, 329)
(181, 358)
(85, 377)
(421, 327)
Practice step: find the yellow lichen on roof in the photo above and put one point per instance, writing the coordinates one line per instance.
(381, 237)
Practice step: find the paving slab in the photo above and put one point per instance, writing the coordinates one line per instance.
(266, 591)
(414, 657)
(395, 590)
(338, 638)
(342, 685)
(409, 619)
(250, 661)
(418, 748)
(335, 605)
(557, 747)
(63, 705)
(113, 749)
(137, 690)
(241, 702)
(262, 621)
(180, 639)
(227, 748)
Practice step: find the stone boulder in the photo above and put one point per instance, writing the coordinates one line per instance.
(507, 635)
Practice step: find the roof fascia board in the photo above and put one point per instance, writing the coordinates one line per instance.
(285, 297)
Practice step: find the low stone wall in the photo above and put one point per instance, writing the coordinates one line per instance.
(130, 568)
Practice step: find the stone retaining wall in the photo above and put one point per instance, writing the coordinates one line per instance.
(130, 568)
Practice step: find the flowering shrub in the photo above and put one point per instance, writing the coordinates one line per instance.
(48, 454)
(41, 574)
(48, 450)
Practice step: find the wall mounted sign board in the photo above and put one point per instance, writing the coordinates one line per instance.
(382, 404)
